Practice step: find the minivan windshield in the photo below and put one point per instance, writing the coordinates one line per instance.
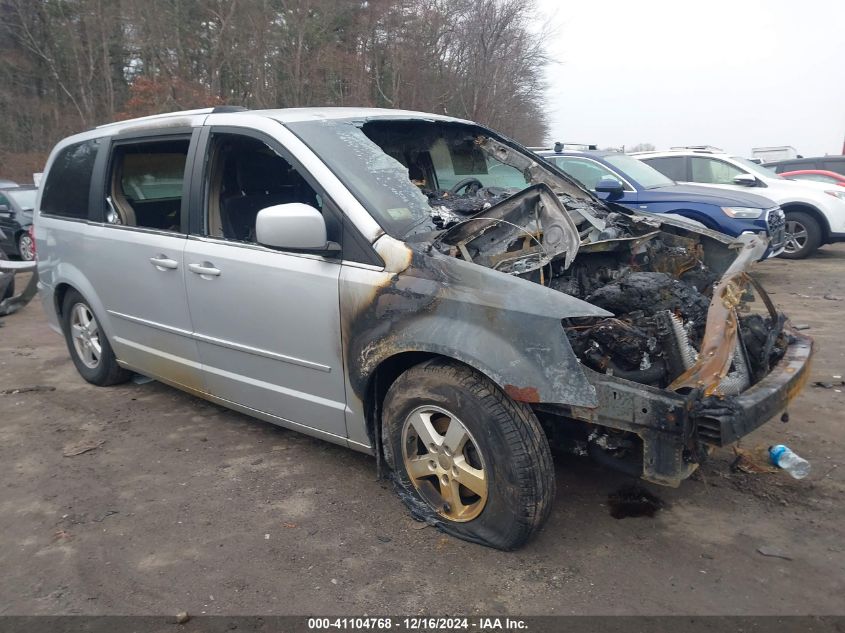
(399, 169)
(646, 175)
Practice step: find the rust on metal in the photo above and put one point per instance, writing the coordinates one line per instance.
(523, 394)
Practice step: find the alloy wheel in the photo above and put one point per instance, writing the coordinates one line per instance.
(25, 248)
(795, 236)
(85, 333)
(444, 463)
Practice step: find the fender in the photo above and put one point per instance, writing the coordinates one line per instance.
(66, 273)
(504, 326)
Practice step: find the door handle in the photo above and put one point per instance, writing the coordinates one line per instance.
(162, 262)
(206, 269)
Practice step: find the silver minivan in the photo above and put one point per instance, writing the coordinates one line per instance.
(412, 286)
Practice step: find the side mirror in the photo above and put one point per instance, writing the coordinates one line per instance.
(293, 226)
(746, 180)
(610, 186)
(4, 208)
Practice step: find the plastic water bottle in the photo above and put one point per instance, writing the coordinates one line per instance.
(784, 458)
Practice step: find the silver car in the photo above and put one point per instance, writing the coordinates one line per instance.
(412, 286)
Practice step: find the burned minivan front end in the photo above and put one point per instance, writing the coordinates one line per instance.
(641, 340)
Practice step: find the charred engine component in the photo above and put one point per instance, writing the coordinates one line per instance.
(522, 234)
(654, 292)
(620, 348)
(765, 342)
(680, 355)
(671, 335)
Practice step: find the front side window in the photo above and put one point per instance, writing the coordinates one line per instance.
(646, 175)
(713, 171)
(246, 175)
(67, 187)
(586, 172)
(145, 185)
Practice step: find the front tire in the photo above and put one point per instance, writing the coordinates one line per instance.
(87, 343)
(466, 457)
(803, 235)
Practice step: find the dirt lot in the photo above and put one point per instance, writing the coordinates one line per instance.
(187, 506)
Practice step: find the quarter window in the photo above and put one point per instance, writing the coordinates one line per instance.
(67, 187)
(713, 171)
(145, 185)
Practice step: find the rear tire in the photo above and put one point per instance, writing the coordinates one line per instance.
(87, 343)
(26, 249)
(803, 235)
(465, 457)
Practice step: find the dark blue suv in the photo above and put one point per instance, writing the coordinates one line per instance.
(619, 178)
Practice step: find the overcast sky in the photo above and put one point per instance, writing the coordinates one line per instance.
(734, 74)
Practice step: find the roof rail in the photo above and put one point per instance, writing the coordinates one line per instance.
(228, 108)
(163, 115)
(701, 148)
(560, 146)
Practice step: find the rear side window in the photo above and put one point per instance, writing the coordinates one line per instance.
(837, 166)
(145, 184)
(783, 167)
(670, 166)
(69, 181)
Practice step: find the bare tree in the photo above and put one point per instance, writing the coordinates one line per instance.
(69, 64)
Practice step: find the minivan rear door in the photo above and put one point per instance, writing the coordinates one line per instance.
(135, 255)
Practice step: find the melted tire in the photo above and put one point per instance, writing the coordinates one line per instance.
(107, 372)
(518, 462)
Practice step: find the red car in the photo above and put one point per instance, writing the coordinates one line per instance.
(817, 175)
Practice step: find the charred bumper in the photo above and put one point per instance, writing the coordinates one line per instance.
(722, 421)
(675, 428)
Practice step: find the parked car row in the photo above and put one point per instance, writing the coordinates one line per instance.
(799, 212)
(16, 210)
(617, 177)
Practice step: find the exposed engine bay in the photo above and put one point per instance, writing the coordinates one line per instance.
(657, 278)
(657, 283)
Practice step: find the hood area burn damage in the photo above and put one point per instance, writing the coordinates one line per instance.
(639, 339)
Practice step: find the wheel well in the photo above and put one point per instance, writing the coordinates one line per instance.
(812, 211)
(59, 297)
(381, 380)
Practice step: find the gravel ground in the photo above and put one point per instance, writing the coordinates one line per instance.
(182, 505)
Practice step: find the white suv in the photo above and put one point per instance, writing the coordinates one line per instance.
(815, 212)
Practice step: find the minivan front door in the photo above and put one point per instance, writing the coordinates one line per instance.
(267, 322)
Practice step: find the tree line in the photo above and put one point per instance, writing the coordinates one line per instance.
(67, 65)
